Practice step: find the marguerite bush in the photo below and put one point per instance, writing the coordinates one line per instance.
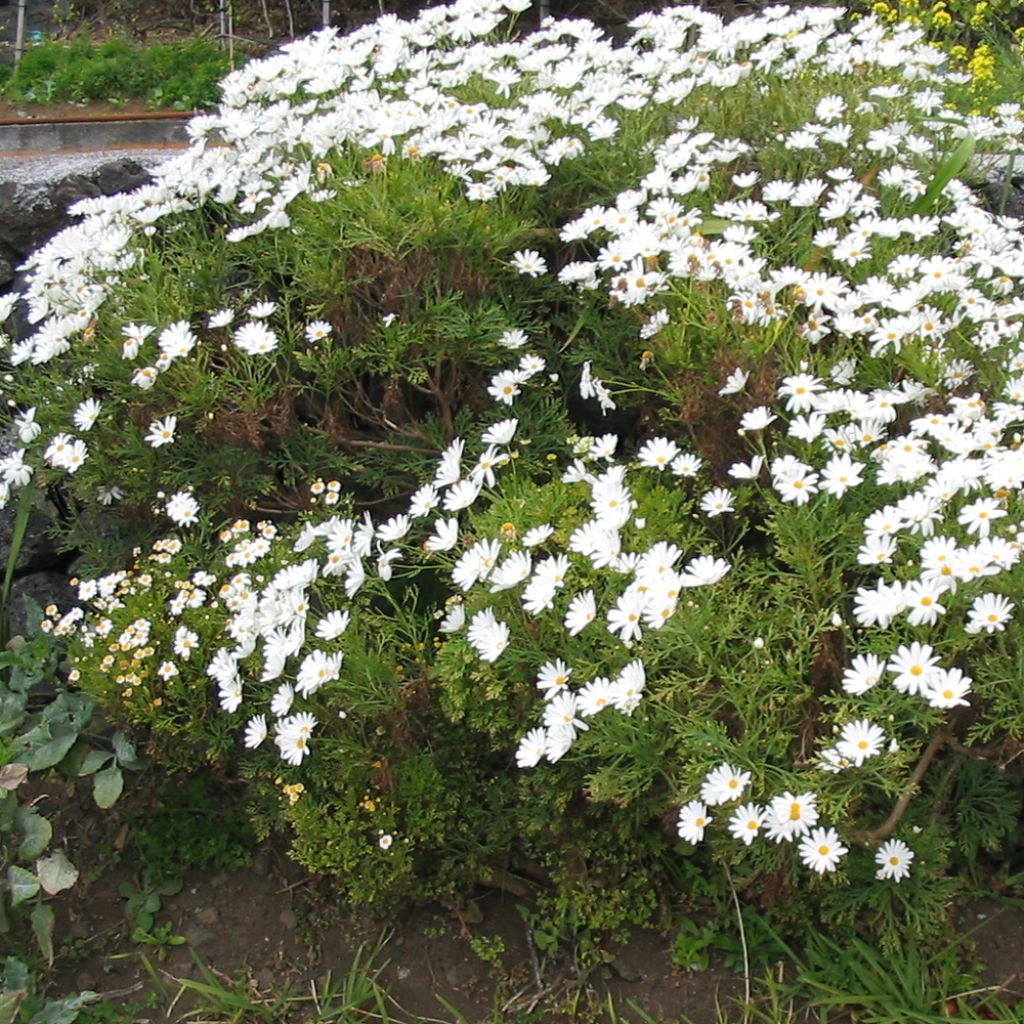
(693, 375)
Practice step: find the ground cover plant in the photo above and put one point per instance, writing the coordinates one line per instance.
(180, 75)
(546, 458)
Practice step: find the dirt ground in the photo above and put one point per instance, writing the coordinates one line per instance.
(273, 928)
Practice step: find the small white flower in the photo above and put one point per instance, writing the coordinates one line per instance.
(893, 859)
(255, 731)
(821, 850)
(183, 509)
(161, 432)
(529, 262)
(735, 382)
(220, 318)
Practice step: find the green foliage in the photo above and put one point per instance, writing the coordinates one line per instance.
(143, 903)
(190, 826)
(399, 390)
(43, 729)
(105, 767)
(903, 985)
(21, 1003)
(35, 735)
(180, 76)
(348, 999)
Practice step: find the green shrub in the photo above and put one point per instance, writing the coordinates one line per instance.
(178, 75)
(595, 464)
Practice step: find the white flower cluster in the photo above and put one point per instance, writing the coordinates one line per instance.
(959, 474)
(392, 87)
(944, 286)
(786, 818)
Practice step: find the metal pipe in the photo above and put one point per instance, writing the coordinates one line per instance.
(147, 115)
(222, 14)
(327, 13)
(19, 32)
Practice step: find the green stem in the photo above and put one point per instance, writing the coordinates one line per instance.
(17, 539)
(1004, 198)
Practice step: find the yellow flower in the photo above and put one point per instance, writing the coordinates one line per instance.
(293, 792)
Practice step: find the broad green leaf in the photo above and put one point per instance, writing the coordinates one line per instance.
(42, 928)
(24, 884)
(56, 873)
(93, 762)
(712, 225)
(9, 1004)
(33, 614)
(107, 786)
(62, 1011)
(12, 712)
(123, 748)
(36, 833)
(16, 974)
(50, 752)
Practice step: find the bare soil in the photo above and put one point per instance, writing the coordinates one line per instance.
(11, 111)
(273, 928)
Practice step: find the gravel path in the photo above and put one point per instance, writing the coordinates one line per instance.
(30, 168)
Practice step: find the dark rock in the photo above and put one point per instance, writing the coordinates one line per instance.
(465, 974)
(27, 216)
(32, 214)
(8, 261)
(208, 915)
(1003, 201)
(38, 550)
(120, 176)
(69, 190)
(42, 587)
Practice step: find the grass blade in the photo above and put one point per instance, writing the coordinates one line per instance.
(25, 500)
(946, 172)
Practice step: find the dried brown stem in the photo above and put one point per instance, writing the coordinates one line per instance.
(886, 829)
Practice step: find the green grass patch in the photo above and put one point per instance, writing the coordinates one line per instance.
(180, 75)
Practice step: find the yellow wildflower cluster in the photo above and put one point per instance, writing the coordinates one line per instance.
(982, 67)
(954, 26)
(945, 19)
(293, 791)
